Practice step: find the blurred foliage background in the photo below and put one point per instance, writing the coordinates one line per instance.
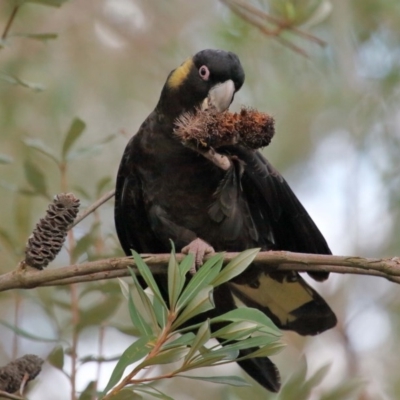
(337, 143)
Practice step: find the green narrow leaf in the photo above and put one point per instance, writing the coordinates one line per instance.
(174, 280)
(137, 319)
(133, 353)
(35, 178)
(319, 375)
(257, 341)
(166, 357)
(232, 380)
(236, 330)
(75, 131)
(41, 147)
(27, 335)
(37, 36)
(84, 152)
(207, 361)
(202, 302)
(126, 394)
(202, 337)
(147, 276)
(236, 266)
(128, 330)
(154, 392)
(183, 340)
(146, 304)
(266, 351)
(186, 264)
(5, 159)
(51, 3)
(160, 311)
(124, 288)
(56, 357)
(89, 391)
(202, 278)
(252, 315)
(14, 80)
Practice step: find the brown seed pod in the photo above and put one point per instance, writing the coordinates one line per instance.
(49, 235)
(13, 374)
(204, 129)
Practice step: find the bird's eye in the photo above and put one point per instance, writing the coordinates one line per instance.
(204, 73)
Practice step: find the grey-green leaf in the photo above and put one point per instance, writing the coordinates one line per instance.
(202, 337)
(40, 146)
(89, 392)
(225, 380)
(14, 80)
(133, 353)
(56, 357)
(147, 276)
(25, 334)
(236, 266)
(183, 340)
(145, 302)
(202, 278)
(126, 394)
(202, 302)
(37, 36)
(137, 319)
(252, 315)
(266, 351)
(174, 280)
(236, 330)
(74, 132)
(35, 177)
(153, 392)
(51, 3)
(166, 356)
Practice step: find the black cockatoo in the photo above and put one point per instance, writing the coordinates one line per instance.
(168, 191)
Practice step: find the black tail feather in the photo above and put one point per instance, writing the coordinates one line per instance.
(262, 370)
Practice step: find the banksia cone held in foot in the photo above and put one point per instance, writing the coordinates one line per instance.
(12, 375)
(209, 128)
(49, 235)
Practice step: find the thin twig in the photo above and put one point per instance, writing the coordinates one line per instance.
(9, 22)
(275, 34)
(274, 20)
(107, 196)
(26, 277)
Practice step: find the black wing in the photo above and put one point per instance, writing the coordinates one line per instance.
(131, 219)
(272, 199)
(282, 221)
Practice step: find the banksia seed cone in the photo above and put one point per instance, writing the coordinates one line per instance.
(49, 235)
(12, 375)
(209, 128)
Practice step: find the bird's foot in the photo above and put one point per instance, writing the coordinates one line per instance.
(199, 248)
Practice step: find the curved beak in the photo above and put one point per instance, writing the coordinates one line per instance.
(220, 96)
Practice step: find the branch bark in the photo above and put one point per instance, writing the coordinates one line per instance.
(25, 277)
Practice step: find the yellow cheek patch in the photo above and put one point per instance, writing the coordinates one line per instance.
(180, 74)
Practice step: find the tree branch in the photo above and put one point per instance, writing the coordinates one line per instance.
(25, 277)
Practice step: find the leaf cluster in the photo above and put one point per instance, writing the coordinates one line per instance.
(168, 336)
